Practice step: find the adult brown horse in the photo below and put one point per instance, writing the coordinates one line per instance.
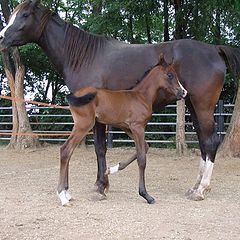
(129, 110)
(85, 59)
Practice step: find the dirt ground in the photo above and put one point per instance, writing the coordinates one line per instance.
(30, 209)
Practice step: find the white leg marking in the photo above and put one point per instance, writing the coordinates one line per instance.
(68, 195)
(207, 174)
(63, 197)
(200, 173)
(11, 21)
(114, 169)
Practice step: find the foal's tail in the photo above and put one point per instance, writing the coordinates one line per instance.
(232, 59)
(82, 100)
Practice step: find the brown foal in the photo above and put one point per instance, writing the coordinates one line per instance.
(129, 110)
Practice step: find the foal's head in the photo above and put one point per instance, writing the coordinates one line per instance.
(25, 24)
(164, 77)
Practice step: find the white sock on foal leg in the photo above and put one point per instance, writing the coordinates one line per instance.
(114, 169)
(68, 195)
(63, 197)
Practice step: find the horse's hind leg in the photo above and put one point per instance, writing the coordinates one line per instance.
(102, 182)
(209, 141)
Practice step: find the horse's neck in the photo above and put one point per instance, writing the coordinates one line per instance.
(52, 40)
(148, 90)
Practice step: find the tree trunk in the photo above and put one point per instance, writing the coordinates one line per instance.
(130, 31)
(180, 128)
(148, 30)
(230, 145)
(166, 21)
(217, 30)
(180, 26)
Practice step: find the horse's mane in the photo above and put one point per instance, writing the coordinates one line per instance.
(81, 47)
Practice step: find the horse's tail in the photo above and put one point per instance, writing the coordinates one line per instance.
(82, 100)
(232, 59)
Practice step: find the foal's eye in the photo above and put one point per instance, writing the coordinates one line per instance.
(170, 76)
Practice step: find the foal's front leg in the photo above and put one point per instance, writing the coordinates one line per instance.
(138, 135)
(65, 154)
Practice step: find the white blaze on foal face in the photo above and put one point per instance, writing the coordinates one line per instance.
(184, 90)
(10, 23)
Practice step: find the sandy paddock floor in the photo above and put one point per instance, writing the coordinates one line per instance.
(30, 209)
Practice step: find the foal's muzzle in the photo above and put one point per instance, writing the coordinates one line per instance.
(182, 93)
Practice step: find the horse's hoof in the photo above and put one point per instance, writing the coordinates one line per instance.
(102, 188)
(195, 195)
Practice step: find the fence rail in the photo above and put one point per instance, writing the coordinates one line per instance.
(160, 130)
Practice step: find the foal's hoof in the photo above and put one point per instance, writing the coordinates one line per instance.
(64, 197)
(151, 201)
(194, 194)
(189, 192)
(68, 204)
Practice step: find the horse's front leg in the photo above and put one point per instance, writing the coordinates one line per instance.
(102, 182)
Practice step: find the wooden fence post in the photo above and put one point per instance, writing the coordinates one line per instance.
(180, 128)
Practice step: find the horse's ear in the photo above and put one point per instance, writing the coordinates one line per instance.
(162, 61)
(34, 3)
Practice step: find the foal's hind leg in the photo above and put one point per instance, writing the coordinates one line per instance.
(123, 164)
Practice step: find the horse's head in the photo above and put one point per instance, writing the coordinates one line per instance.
(166, 79)
(23, 26)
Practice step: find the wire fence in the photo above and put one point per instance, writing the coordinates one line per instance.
(54, 125)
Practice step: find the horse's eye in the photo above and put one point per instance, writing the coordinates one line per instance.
(170, 76)
(25, 15)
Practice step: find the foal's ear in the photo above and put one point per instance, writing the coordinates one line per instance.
(162, 61)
